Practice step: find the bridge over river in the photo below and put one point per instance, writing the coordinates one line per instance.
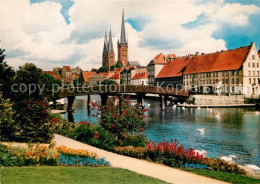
(116, 90)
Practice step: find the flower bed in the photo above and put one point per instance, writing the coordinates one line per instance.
(43, 155)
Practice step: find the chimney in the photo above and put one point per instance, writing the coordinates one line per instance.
(202, 53)
(197, 53)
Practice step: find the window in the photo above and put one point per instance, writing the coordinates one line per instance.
(213, 81)
(227, 73)
(216, 74)
(223, 73)
(248, 65)
(237, 72)
(237, 81)
(254, 81)
(249, 80)
(257, 65)
(253, 73)
(249, 73)
(257, 73)
(253, 65)
(226, 81)
(253, 57)
(233, 81)
(223, 81)
(233, 73)
(209, 81)
(183, 76)
(209, 74)
(213, 74)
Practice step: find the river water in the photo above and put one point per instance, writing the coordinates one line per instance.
(227, 131)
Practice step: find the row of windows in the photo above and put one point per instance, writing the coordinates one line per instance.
(253, 73)
(253, 65)
(210, 74)
(224, 81)
(254, 81)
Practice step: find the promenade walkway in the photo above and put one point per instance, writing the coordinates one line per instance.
(144, 167)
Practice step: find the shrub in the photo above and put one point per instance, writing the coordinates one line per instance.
(136, 140)
(34, 122)
(137, 152)
(8, 127)
(172, 154)
(7, 158)
(121, 120)
(62, 126)
(75, 152)
(221, 165)
(94, 135)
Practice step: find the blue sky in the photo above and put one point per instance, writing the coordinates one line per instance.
(55, 32)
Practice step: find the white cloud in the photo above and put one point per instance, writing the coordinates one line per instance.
(40, 31)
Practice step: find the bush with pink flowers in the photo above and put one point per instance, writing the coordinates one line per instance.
(121, 120)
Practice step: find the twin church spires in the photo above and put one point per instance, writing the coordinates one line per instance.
(108, 56)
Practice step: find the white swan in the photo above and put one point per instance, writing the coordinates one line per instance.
(217, 116)
(183, 107)
(201, 130)
(148, 105)
(198, 108)
(228, 159)
(133, 103)
(201, 152)
(254, 167)
(93, 101)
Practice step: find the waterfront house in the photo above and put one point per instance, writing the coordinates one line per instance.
(235, 71)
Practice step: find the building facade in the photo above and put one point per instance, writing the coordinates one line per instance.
(234, 71)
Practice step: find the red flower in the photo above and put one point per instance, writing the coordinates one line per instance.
(118, 130)
(145, 110)
(96, 135)
(54, 121)
(93, 115)
(114, 115)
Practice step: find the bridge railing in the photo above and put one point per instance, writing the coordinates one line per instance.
(117, 89)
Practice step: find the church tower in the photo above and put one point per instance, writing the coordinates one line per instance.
(108, 56)
(104, 55)
(110, 52)
(122, 45)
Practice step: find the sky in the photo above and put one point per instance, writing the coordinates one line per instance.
(53, 33)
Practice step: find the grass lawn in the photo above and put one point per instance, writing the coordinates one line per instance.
(71, 175)
(224, 176)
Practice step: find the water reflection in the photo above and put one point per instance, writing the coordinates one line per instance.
(227, 131)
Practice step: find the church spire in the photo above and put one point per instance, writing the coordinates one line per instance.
(105, 45)
(123, 37)
(110, 42)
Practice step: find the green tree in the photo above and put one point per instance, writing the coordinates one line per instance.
(103, 69)
(109, 82)
(6, 76)
(112, 68)
(8, 127)
(50, 87)
(29, 76)
(118, 65)
(76, 82)
(121, 81)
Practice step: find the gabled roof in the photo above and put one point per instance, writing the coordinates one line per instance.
(219, 61)
(158, 59)
(173, 68)
(87, 75)
(116, 76)
(141, 75)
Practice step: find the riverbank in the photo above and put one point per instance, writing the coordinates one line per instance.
(144, 167)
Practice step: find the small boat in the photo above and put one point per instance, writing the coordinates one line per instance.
(228, 159)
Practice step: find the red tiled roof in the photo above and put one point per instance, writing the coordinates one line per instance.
(118, 70)
(141, 75)
(87, 75)
(115, 76)
(67, 68)
(173, 68)
(56, 76)
(219, 61)
(159, 59)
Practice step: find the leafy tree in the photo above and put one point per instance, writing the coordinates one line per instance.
(6, 76)
(76, 82)
(59, 82)
(109, 82)
(7, 123)
(103, 69)
(118, 65)
(50, 87)
(112, 68)
(28, 76)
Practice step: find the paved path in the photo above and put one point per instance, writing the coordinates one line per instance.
(144, 167)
